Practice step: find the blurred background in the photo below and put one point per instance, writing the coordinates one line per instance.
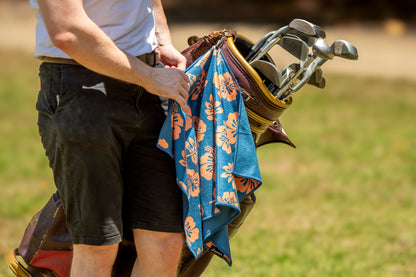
(343, 203)
(280, 11)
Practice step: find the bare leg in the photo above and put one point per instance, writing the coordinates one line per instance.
(91, 261)
(158, 253)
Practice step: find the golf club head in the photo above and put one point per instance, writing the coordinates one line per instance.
(321, 84)
(304, 27)
(289, 70)
(299, 25)
(309, 40)
(319, 31)
(344, 49)
(295, 46)
(268, 70)
(316, 76)
(322, 50)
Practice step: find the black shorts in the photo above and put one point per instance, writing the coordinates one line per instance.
(100, 136)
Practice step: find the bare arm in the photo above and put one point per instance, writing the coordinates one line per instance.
(76, 34)
(168, 54)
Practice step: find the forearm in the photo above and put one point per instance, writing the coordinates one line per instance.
(169, 56)
(161, 25)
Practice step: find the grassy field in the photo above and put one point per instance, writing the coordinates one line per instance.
(342, 204)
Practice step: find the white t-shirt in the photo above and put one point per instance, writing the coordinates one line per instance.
(129, 23)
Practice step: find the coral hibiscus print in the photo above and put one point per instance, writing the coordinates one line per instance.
(207, 165)
(214, 154)
(213, 108)
(227, 88)
(192, 233)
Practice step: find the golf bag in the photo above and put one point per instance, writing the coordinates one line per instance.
(46, 247)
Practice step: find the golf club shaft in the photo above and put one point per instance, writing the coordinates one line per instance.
(287, 85)
(269, 43)
(317, 63)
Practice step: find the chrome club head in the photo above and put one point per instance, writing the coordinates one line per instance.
(319, 84)
(309, 40)
(295, 46)
(316, 76)
(322, 50)
(319, 31)
(306, 28)
(299, 25)
(344, 49)
(268, 70)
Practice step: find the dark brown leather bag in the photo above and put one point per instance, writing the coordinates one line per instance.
(263, 109)
(46, 246)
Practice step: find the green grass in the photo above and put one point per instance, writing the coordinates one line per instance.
(25, 179)
(341, 204)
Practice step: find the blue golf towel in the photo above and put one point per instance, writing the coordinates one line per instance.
(214, 153)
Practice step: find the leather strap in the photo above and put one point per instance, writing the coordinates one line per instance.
(151, 59)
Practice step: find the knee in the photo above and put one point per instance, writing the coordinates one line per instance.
(167, 244)
(96, 255)
(93, 260)
(172, 243)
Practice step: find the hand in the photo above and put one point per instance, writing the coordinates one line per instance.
(171, 57)
(171, 83)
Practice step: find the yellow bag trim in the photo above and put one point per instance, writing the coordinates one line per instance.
(254, 75)
(256, 130)
(258, 118)
(15, 266)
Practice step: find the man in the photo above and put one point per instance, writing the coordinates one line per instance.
(99, 117)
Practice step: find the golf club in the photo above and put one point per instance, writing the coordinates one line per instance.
(268, 70)
(299, 25)
(344, 49)
(319, 50)
(289, 72)
(340, 48)
(316, 76)
(320, 84)
(295, 46)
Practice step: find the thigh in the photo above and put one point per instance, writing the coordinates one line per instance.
(84, 127)
(153, 200)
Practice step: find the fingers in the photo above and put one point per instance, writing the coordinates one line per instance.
(183, 103)
(171, 83)
(185, 83)
(184, 94)
(172, 58)
(182, 64)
